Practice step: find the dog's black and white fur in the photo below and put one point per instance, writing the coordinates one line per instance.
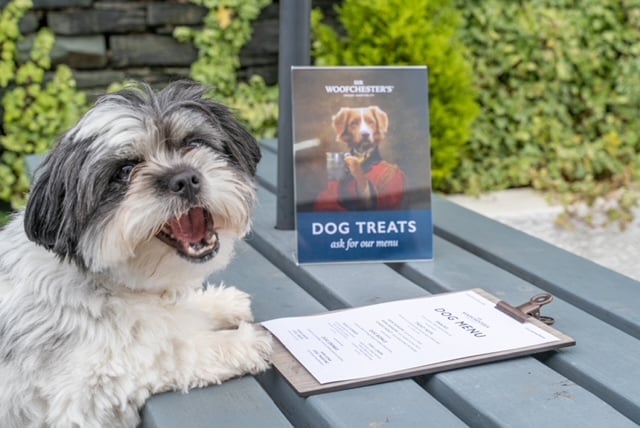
(101, 296)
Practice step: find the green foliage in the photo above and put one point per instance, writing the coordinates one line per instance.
(9, 35)
(227, 28)
(4, 218)
(559, 88)
(415, 32)
(35, 113)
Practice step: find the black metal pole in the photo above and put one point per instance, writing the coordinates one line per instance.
(294, 49)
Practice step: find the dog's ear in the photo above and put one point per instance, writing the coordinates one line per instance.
(340, 122)
(382, 120)
(52, 215)
(242, 147)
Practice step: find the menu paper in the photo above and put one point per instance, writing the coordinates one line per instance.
(395, 336)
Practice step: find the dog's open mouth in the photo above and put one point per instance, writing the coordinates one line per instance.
(363, 149)
(192, 234)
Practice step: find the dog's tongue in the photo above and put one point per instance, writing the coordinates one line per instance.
(191, 227)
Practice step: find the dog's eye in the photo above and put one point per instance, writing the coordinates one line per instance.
(124, 172)
(194, 144)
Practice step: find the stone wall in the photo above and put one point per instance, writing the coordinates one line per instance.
(106, 41)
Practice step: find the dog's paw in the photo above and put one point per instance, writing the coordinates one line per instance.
(259, 347)
(226, 354)
(226, 306)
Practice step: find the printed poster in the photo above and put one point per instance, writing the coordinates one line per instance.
(362, 164)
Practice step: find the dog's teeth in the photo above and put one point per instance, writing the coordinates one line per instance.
(167, 231)
(202, 251)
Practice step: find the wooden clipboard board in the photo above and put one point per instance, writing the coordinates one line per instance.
(305, 384)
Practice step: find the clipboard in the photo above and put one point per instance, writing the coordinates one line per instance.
(305, 384)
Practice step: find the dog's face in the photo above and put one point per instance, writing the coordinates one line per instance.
(361, 129)
(147, 187)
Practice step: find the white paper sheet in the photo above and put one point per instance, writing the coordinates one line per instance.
(388, 337)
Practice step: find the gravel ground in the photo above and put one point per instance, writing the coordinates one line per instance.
(529, 212)
(610, 247)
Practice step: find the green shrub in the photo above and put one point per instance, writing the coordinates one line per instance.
(4, 218)
(35, 112)
(227, 28)
(416, 32)
(559, 85)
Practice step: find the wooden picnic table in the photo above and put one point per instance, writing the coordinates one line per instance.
(595, 383)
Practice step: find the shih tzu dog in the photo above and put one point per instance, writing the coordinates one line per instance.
(101, 277)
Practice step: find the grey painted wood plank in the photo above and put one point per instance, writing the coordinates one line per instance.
(238, 403)
(602, 292)
(268, 169)
(32, 162)
(276, 295)
(270, 145)
(396, 404)
(542, 400)
(596, 362)
(598, 342)
(273, 294)
(328, 285)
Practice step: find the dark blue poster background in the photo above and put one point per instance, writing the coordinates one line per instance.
(367, 235)
(378, 208)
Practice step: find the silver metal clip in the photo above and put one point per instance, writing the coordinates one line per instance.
(529, 309)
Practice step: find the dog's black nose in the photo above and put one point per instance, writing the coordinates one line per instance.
(185, 183)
